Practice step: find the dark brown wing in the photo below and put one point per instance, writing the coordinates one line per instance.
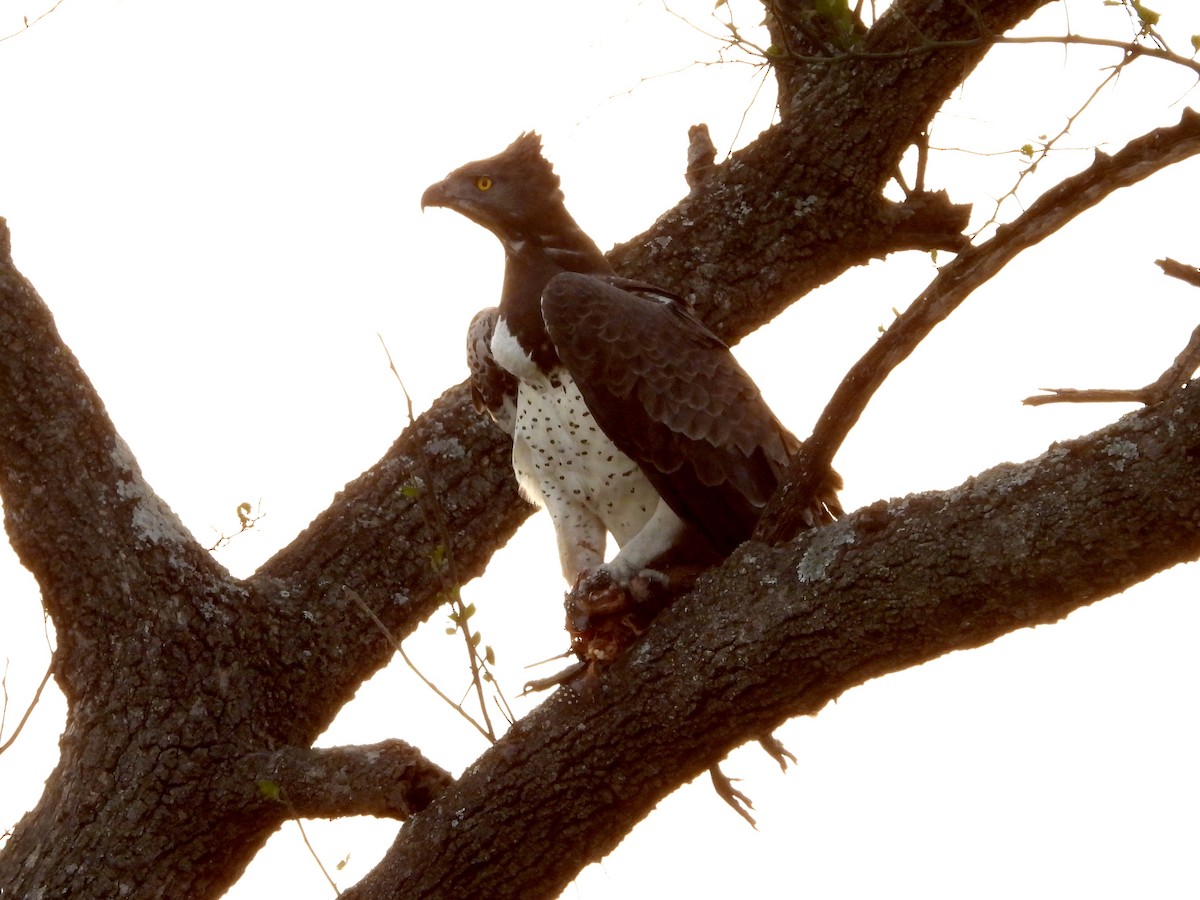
(672, 397)
(492, 388)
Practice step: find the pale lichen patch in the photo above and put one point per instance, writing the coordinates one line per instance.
(823, 551)
(153, 521)
(1122, 451)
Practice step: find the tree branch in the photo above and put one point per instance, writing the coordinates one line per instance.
(1182, 271)
(391, 779)
(780, 631)
(955, 282)
(756, 235)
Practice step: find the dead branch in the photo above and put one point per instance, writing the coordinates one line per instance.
(1182, 369)
(1179, 372)
(1179, 270)
(390, 779)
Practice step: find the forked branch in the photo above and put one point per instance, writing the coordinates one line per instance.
(1179, 372)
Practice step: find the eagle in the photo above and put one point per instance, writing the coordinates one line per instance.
(629, 417)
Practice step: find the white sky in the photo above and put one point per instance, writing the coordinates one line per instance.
(219, 202)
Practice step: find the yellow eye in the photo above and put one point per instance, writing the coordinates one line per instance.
(483, 183)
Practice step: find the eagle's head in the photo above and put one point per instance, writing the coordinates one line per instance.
(514, 194)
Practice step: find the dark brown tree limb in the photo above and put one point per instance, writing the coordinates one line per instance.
(780, 631)
(1139, 159)
(389, 779)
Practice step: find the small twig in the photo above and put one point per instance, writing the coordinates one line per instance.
(1179, 270)
(443, 561)
(247, 519)
(398, 647)
(29, 24)
(37, 695)
(272, 790)
(1179, 372)
(1036, 158)
(1087, 395)
(312, 850)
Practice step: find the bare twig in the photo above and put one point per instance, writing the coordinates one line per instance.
(399, 648)
(37, 695)
(1036, 157)
(247, 519)
(1139, 159)
(29, 23)
(1179, 372)
(443, 561)
(320, 865)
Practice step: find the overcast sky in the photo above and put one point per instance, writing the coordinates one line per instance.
(220, 203)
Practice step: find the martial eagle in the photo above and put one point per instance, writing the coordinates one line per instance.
(629, 417)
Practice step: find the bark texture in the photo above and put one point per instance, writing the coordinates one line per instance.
(781, 631)
(194, 697)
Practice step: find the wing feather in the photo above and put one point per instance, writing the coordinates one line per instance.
(672, 397)
(493, 389)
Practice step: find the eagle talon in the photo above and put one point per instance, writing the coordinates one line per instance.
(606, 614)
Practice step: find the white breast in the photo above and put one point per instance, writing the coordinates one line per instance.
(564, 461)
(510, 355)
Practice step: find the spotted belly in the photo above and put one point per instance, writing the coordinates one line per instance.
(564, 462)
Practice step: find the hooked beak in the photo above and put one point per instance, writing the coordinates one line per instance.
(435, 195)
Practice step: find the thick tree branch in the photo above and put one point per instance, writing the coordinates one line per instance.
(780, 631)
(174, 672)
(390, 779)
(1139, 159)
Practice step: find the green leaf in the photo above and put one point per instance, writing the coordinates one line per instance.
(438, 556)
(1148, 17)
(270, 790)
(411, 491)
(1196, 42)
(1027, 150)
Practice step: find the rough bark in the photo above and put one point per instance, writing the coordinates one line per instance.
(188, 689)
(803, 203)
(780, 631)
